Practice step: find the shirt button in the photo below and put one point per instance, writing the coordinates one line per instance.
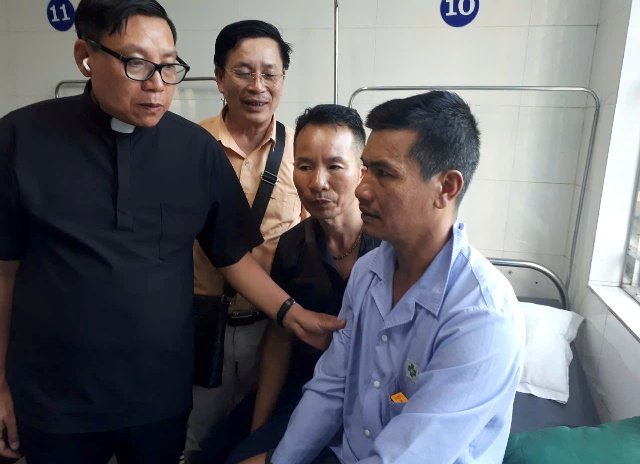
(384, 338)
(367, 433)
(376, 384)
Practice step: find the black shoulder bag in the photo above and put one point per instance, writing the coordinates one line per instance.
(211, 311)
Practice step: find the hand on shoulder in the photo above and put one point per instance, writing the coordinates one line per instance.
(311, 327)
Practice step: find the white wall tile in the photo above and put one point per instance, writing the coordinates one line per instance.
(7, 68)
(609, 8)
(504, 13)
(559, 55)
(565, 12)
(409, 13)
(585, 243)
(290, 14)
(538, 218)
(196, 48)
(480, 56)
(488, 253)
(498, 130)
(289, 111)
(356, 57)
(483, 210)
(357, 13)
(4, 17)
(310, 77)
(536, 283)
(620, 370)
(548, 144)
(500, 96)
(555, 97)
(608, 54)
(38, 77)
(203, 14)
(196, 100)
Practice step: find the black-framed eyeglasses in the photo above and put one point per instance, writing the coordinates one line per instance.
(139, 69)
(270, 80)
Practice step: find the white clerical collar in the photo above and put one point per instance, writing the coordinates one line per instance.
(121, 126)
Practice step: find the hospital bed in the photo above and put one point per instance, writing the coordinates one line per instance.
(529, 411)
(544, 431)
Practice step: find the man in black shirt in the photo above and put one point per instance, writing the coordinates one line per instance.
(101, 197)
(312, 262)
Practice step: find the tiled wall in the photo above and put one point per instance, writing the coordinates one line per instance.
(522, 201)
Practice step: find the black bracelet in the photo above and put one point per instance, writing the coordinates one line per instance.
(267, 457)
(284, 309)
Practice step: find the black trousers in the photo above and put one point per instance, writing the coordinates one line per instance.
(159, 442)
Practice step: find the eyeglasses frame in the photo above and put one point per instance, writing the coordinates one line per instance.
(253, 74)
(125, 60)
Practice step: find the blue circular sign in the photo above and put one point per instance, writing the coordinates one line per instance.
(458, 13)
(61, 14)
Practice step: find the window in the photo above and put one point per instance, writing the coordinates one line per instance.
(631, 274)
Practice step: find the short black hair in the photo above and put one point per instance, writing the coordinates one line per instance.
(233, 33)
(333, 115)
(447, 132)
(97, 18)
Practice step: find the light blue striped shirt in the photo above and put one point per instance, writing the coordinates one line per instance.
(452, 346)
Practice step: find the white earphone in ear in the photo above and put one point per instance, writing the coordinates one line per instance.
(86, 64)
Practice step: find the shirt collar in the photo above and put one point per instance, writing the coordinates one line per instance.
(227, 141)
(429, 291)
(101, 116)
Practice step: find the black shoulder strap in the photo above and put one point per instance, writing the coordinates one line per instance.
(268, 180)
(269, 177)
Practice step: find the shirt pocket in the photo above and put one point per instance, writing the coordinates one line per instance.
(283, 212)
(179, 226)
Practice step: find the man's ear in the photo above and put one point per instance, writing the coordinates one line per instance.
(81, 53)
(218, 73)
(451, 184)
(363, 169)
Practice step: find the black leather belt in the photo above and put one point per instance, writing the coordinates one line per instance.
(236, 318)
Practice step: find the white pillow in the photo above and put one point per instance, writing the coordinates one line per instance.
(547, 354)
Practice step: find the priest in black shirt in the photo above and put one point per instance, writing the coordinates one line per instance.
(101, 197)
